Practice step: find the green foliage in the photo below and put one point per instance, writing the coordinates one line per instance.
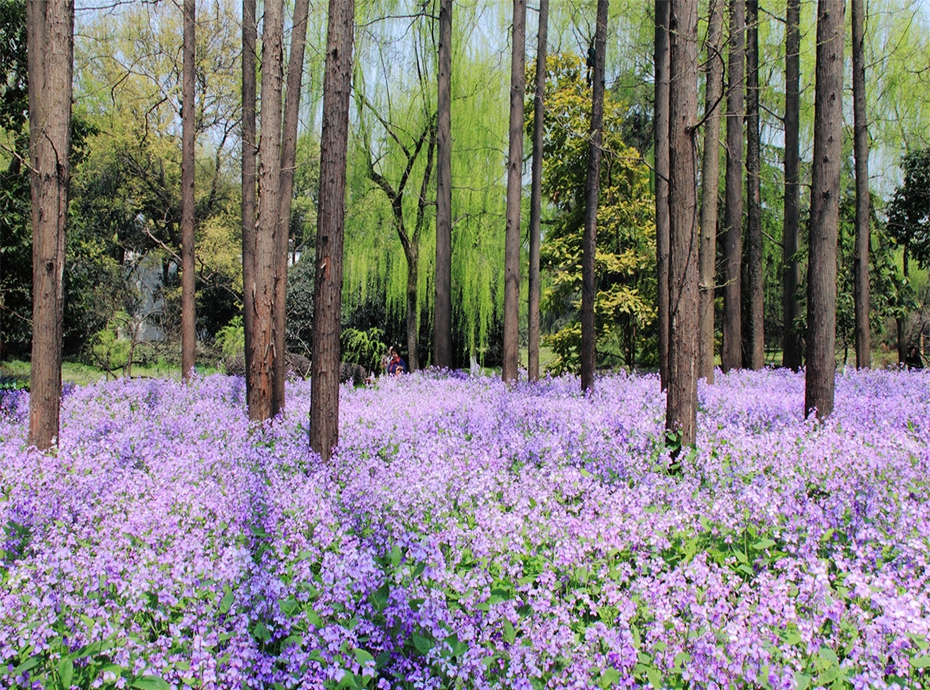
(230, 339)
(109, 348)
(299, 329)
(625, 257)
(363, 347)
(909, 211)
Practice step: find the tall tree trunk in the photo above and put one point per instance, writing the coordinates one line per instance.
(295, 68)
(660, 134)
(514, 171)
(825, 209)
(861, 143)
(327, 291)
(681, 407)
(249, 32)
(539, 116)
(50, 34)
(791, 275)
(754, 320)
(731, 355)
(188, 275)
(269, 198)
(710, 187)
(442, 324)
(592, 200)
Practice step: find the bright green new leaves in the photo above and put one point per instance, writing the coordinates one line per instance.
(625, 256)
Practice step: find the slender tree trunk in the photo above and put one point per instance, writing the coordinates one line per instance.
(791, 276)
(825, 208)
(269, 198)
(327, 292)
(442, 325)
(901, 319)
(861, 143)
(539, 116)
(188, 275)
(681, 407)
(754, 323)
(514, 170)
(50, 29)
(731, 355)
(592, 200)
(710, 187)
(249, 32)
(412, 254)
(661, 133)
(295, 68)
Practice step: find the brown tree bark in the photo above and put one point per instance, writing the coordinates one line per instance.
(754, 313)
(710, 187)
(50, 36)
(442, 324)
(539, 116)
(731, 354)
(249, 36)
(295, 68)
(661, 133)
(188, 275)
(592, 198)
(263, 352)
(791, 272)
(681, 406)
(514, 171)
(825, 208)
(861, 143)
(327, 291)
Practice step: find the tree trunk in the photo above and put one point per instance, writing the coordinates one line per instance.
(412, 254)
(731, 355)
(50, 26)
(662, 8)
(861, 143)
(327, 292)
(249, 32)
(825, 207)
(755, 311)
(710, 186)
(592, 195)
(442, 324)
(514, 171)
(188, 275)
(295, 68)
(539, 115)
(681, 408)
(269, 196)
(791, 276)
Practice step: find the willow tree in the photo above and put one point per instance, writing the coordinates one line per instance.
(327, 289)
(825, 209)
(50, 25)
(514, 170)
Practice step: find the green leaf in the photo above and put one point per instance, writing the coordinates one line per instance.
(150, 683)
(227, 601)
(655, 678)
(395, 556)
(348, 681)
(65, 673)
(422, 644)
(260, 632)
(363, 657)
(289, 606)
(802, 681)
(763, 544)
(28, 664)
(609, 677)
(509, 633)
(922, 661)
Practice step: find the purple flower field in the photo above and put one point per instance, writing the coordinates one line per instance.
(468, 535)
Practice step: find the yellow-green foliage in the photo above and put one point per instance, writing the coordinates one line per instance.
(625, 257)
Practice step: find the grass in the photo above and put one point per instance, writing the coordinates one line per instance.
(81, 374)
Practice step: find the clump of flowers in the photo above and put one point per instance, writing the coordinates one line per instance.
(470, 535)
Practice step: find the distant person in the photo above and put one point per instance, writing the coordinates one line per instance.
(386, 360)
(397, 365)
(913, 360)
